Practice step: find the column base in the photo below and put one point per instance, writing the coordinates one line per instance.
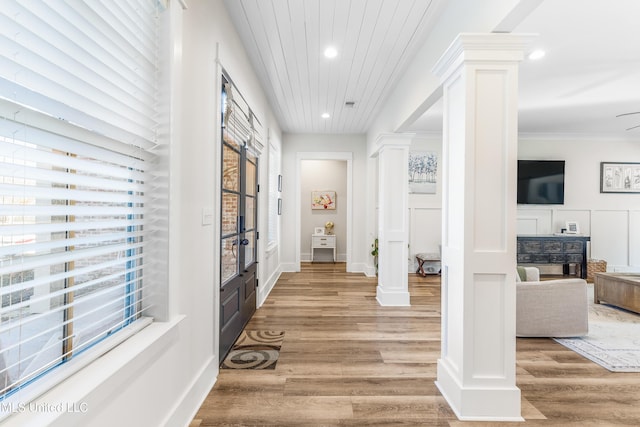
(478, 403)
(394, 298)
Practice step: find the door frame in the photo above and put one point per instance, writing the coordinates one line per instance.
(328, 155)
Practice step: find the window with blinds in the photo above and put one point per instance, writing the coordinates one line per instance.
(78, 101)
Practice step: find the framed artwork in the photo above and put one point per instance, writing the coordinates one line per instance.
(279, 206)
(619, 177)
(323, 200)
(423, 168)
(318, 231)
(572, 227)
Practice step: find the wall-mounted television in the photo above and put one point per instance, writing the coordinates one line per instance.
(541, 182)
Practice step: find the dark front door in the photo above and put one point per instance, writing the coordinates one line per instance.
(238, 237)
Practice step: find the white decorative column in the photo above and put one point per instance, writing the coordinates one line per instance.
(393, 224)
(476, 371)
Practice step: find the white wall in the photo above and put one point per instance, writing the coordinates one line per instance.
(425, 210)
(268, 255)
(323, 175)
(612, 220)
(292, 144)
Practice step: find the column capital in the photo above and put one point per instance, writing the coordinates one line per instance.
(392, 140)
(485, 47)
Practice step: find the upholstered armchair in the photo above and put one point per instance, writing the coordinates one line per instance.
(551, 308)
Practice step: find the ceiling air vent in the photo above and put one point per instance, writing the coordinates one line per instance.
(349, 104)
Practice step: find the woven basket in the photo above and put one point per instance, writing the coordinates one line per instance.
(595, 266)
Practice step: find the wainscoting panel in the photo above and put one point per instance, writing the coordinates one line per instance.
(634, 239)
(610, 237)
(425, 231)
(582, 217)
(540, 218)
(615, 234)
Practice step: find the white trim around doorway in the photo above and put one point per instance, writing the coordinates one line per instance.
(330, 155)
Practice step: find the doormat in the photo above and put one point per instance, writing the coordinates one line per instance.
(255, 350)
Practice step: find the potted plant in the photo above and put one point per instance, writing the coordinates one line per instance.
(374, 253)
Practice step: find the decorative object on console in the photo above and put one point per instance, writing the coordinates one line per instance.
(328, 228)
(619, 177)
(323, 200)
(572, 227)
(318, 231)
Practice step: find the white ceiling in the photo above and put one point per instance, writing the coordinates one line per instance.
(590, 74)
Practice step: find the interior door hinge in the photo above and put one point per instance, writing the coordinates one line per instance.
(258, 188)
(257, 283)
(257, 235)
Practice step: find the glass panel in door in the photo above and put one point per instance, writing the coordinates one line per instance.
(251, 178)
(230, 213)
(230, 169)
(229, 262)
(250, 248)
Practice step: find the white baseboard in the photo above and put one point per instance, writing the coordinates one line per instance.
(392, 299)
(289, 267)
(190, 402)
(358, 267)
(265, 289)
(478, 403)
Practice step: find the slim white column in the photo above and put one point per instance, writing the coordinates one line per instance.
(393, 224)
(476, 371)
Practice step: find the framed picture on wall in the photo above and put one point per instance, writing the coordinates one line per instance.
(618, 177)
(323, 200)
(423, 170)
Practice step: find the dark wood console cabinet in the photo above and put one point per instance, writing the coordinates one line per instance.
(553, 249)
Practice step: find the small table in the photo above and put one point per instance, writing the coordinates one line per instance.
(429, 262)
(619, 289)
(323, 241)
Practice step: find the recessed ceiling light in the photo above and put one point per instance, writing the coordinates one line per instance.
(325, 115)
(537, 54)
(330, 52)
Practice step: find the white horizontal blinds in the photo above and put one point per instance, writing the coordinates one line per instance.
(237, 128)
(77, 133)
(90, 63)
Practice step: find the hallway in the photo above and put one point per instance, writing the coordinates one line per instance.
(347, 361)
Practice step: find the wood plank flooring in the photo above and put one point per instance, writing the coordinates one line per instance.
(346, 361)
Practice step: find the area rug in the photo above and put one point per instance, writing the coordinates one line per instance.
(613, 341)
(255, 350)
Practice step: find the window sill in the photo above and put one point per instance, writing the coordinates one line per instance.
(96, 373)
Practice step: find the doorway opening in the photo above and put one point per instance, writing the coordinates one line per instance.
(306, 221)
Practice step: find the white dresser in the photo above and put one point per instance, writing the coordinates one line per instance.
(321, 241)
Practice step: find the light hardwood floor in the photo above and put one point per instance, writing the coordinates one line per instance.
(346, 361)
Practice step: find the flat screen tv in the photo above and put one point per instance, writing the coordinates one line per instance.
(541, 182)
